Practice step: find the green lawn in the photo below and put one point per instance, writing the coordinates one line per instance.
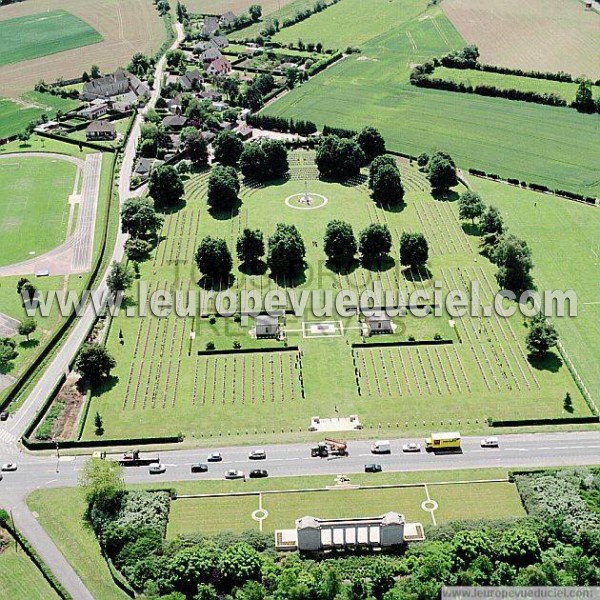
(14, 116)
(51, 102)
(162, 386)
(35, 210)
(557, 229)
(42, 34)
(20, 579)
(473, 77)
(61, 515)
(553, 146)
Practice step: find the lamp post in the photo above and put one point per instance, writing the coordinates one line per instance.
(57, 456)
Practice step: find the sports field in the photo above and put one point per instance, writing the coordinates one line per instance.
(122, 29)
(20, 579)
(161, 385)
(538, 34)
(553, 146)
(211, 515)
(565, 241)
(42, 34)
(35, 210)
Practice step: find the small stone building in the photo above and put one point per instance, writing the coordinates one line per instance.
(378, 322)
(267, 327)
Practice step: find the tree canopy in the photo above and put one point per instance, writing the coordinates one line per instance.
(541, 337)
(139, 218)
(387, 184)
(94, 363)
(441, 172)
(120, 277)
(339, 242)
(513, 257)
(339, 157)
(414, 250)
(286, 250)
(197, 148)
(264, 160)
(470, 206)
(213, 257)
(165, 186)
(371, 143)
(374, 242)
(250, 246)
(227, 148)
(223, 188)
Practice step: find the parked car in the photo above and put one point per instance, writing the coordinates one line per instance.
(234, 474)
(4, 416)
(373, 468)
(257, 455)
(9, 467)
(490, 442)
(214, 457)
(411, 447)
(199, 468)
(257, 473)
(156, 468)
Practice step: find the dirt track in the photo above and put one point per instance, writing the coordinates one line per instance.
(126, 26)
(545, 35)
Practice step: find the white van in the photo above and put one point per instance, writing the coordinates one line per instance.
(381, 447)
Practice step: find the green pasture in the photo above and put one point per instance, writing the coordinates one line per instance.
(51, 102)
(20, 579)
(563, 236)
(552, 146)
(42, 34)
(14, 116)
(162, 386)
(502, 81)
(35, 210)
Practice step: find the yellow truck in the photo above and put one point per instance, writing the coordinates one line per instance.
(449, 440)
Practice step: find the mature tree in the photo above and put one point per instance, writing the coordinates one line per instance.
(27, 327)
(491, 221)
(139, 65)
(584, 101)
(339, 157)
(470, 206)
(95, 71)
(139, 218)
(239, 563)
(27, 291)
(98, 423)
(374, 242)
(286, 250)
(441, 172)
(387, 185)
(250, 246)
(165, 185)
(175, 58)
(414, 250)
(277, 157)
(7, 352)
(291, 77)
(264, 160)
(102, 483)
(255, 11)
(213, 257)
(423, 159)
(120, 277)
(339, 242)
(191, 565)
(137, 249)
(541, 337)
(513, 257)
(371, 143)
(382, 578)
(228, 148)
(231, 86)
(223, 188)
(94, 363)
(378, 163)
(197, 148)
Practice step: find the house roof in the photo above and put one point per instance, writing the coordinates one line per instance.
(143, 166)
(190, 78)
(101, 127)
(174, 121)
(210, 25)
(228, 16)
(220, 41)
(220, 65)
(211, 54)
(266, 320)
(376, 316)
(119, 82)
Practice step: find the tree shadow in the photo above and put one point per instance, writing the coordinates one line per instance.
(396, 207)
(216, 285)
(7, 368)
(128, 301)
(471, 229)
(225, 215)
(258, 267)
(343, 268)
(445, 195)
(29, 343)
(385, 263)
(550, 362)
(106, 386)
(169, 209)
(420, 275)
(290, 280)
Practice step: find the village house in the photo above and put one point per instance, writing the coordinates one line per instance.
(94, 111)
(244, 133)
(209, 55)
(219, 67)
(219, 41)
(227, 19)
(115, 84)
(100, 130)
(191, 80)
(210, 26)
(174, 122)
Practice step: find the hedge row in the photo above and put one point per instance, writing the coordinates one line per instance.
(323, 64)
(548, 421)
(407, 343)
(339, 132)
(165, 439)
(84, 143)
(281, 124)
(536, 187)
(247, 350)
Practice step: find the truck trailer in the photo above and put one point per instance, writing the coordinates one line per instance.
(449, 440)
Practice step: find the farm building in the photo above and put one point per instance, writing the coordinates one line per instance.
(115, 84)
(96, 110)
(100, 130)
(377, 322)
(321, 535)
(267, 327)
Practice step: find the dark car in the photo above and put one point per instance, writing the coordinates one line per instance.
(373, 468)
(257, 473)
(3, 416)
(214, 457)
(199, 468)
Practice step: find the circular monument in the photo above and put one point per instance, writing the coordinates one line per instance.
(306, 200)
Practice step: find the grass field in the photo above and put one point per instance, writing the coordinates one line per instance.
(553, 146)
(526, 84)
(20, 579)
(534, 35)
(51, 102)
(15, 115)
(124, 27)
(43, 34)
(218, 7)
(34, 214)
(162, 386)
(554, 229)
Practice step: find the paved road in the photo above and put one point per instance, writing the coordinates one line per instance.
(14, 494)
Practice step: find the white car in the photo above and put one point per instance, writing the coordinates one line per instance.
(234, 474)
(157, 468)
(9, 467)
(257, 455)
(411, 447)
(490, 442)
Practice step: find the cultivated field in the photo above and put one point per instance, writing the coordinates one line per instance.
(161, 385)
(557, 229)
(20, 579)
(42, 34)
(35, 210)
(126, 27)
(218, 7)
(546, 35)
(553, 146)
(212, 515)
